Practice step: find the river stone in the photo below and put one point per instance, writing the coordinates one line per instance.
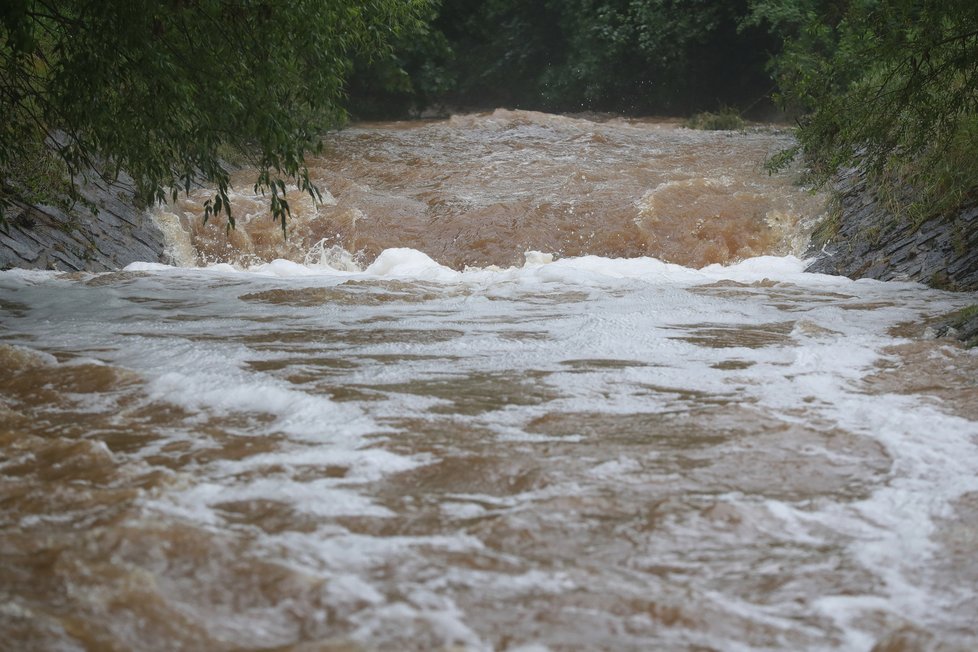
(110, 237)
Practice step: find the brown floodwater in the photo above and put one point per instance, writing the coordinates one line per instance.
(482, 189)
(452, 445)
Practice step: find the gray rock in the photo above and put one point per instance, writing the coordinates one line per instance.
(865, 240)
(113, 235)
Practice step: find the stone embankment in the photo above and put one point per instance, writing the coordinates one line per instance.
(82, 239)
(862, 238)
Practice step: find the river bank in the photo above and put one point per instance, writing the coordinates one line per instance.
(103, 233)
(862, 237)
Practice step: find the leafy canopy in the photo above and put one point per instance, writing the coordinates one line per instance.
(636, 56)
(889, 85)
(161, 90)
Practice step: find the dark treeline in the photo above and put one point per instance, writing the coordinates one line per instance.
(168, 92)
(627, 56)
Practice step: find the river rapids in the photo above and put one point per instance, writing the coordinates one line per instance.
(520, 382)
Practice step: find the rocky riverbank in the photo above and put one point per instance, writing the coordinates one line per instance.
(862, 238)
(103, 233)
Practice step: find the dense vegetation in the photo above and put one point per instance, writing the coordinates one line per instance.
(633, 56)
(165, 91)
(888, 85)
(168, 91)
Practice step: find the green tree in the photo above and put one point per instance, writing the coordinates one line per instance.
(410, 75)
(634, 56)
(162, 90)
(888, 85)
(677, 56)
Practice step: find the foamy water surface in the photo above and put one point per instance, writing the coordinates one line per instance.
(578, 452)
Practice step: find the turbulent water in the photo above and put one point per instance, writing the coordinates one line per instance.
(481, 190)
(408, 433)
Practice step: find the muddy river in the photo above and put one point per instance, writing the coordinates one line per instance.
(521, 382)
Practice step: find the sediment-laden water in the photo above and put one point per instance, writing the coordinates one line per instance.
(410, 434)
(483, 189)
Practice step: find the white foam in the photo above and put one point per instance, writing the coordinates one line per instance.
(298, 414)
(148, 267)
(318, 497)
(287, 269)
(347, 588)
(361, 464)
(411, 264)
(494, 331)
(618, 468)
(179, 247)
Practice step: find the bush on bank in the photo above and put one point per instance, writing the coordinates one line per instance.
(890, 86)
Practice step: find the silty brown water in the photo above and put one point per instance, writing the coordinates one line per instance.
(482, 189)
(604, 452)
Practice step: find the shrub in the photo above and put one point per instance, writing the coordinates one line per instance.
(724, 120)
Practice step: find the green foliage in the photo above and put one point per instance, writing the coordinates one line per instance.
(965, 315)
(827, 230)
(726, 119)
(889, 85)
(162, 90)
(406, 77)
(636, 56)
(650, 53)
(500, 50)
